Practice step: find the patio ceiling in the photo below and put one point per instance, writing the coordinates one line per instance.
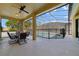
(11, 9)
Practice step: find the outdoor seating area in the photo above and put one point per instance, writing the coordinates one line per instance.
(19, 38)
(40, 29)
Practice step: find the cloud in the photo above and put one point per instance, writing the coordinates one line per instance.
(65, 7)
(55, 10)
(65, 16)
(4, 23)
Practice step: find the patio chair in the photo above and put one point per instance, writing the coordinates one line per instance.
(22, 38)
(13, 38)
(27, 34)
(63, 32)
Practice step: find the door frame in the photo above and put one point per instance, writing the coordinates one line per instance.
(76, 27)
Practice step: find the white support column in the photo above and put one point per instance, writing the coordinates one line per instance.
(34, 27)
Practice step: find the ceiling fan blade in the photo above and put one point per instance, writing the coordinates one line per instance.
(25, 11)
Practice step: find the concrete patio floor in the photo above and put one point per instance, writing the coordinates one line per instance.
(41, 47)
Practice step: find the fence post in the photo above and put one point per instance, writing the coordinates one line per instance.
(48, 33)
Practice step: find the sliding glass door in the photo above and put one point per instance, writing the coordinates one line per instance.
(77, 28)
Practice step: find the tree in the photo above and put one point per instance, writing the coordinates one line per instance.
(27, 24)
(12, 24)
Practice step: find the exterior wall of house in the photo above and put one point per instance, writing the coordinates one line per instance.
(74, 26)
(73, 17)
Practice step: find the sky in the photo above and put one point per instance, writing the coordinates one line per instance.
(58, 15)
(4, 23)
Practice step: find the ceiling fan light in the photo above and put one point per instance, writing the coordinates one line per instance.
(17, 15)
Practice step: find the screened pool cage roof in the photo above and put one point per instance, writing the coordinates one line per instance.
(57, 15)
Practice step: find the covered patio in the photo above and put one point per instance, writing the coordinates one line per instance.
(39, 45)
